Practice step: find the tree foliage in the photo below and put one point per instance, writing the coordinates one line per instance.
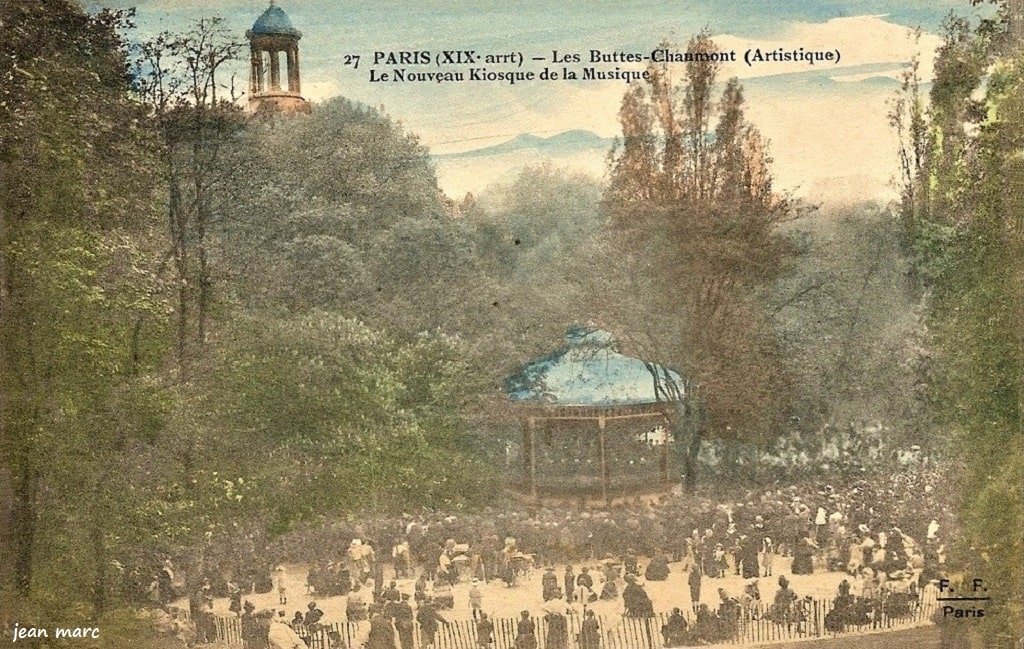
(693, 225)
(969, 246)
(76, 271)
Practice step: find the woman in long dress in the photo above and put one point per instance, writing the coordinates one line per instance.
(590, 632)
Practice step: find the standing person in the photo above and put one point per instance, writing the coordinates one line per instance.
(803, 556)
(428, 617)
(476, 599)
(403, 616)
(165, 583)
(484, 631)
(586, 586)
(444, 567)
(694, 581)
(282, 590)
(253, 636)
(630, 563)
(752, 599)
(590, 632)
(282, 636)
(569, 581)
(526, 632)
(820, 526)
(749, 546)
(549, 584)
(382, 632)
(635, 599)
(558, 628)
(420, 589)
(403, 559)
(234, 597)
(767, 555)
(781, 611)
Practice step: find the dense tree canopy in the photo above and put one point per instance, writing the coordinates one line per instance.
(965, 232)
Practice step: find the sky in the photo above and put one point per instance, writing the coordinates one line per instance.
(826, 123)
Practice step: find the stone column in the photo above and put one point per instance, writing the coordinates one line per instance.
(293, 69)
(254, 71)
(261, 71)
(275, 70)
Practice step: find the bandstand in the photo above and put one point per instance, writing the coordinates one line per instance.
(595, 423)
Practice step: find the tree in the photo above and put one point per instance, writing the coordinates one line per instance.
(75, 270)
(969, 247)
(693, 221)
(177, 78)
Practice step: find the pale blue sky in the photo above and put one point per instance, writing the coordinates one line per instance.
(824, 123)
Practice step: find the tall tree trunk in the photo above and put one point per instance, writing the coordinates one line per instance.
(692, 433)
(202, 219)
(177, 223)
(26, 492)
(100, 561)
(7, 497)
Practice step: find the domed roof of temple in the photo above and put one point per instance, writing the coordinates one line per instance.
(588, 371)
(274, 21)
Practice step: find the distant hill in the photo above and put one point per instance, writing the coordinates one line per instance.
(568, 143)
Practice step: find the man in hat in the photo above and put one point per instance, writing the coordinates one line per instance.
(526, 632)
(428, 617)
(484, 631)
(549, 584)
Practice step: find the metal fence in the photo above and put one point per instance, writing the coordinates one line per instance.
(618, 632)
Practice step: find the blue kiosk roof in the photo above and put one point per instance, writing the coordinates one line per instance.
(274, 21)
(588, 371)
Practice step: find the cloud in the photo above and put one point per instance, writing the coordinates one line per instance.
(820, 130)
(861, 40)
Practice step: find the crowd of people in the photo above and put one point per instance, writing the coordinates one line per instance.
(880, 530)
(871, 522)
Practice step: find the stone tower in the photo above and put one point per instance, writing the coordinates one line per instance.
(272, 35)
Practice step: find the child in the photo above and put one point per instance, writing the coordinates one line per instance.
(475, 599)
(282, 591)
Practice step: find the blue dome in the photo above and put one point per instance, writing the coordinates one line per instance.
(588, 371)
(274, 21)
